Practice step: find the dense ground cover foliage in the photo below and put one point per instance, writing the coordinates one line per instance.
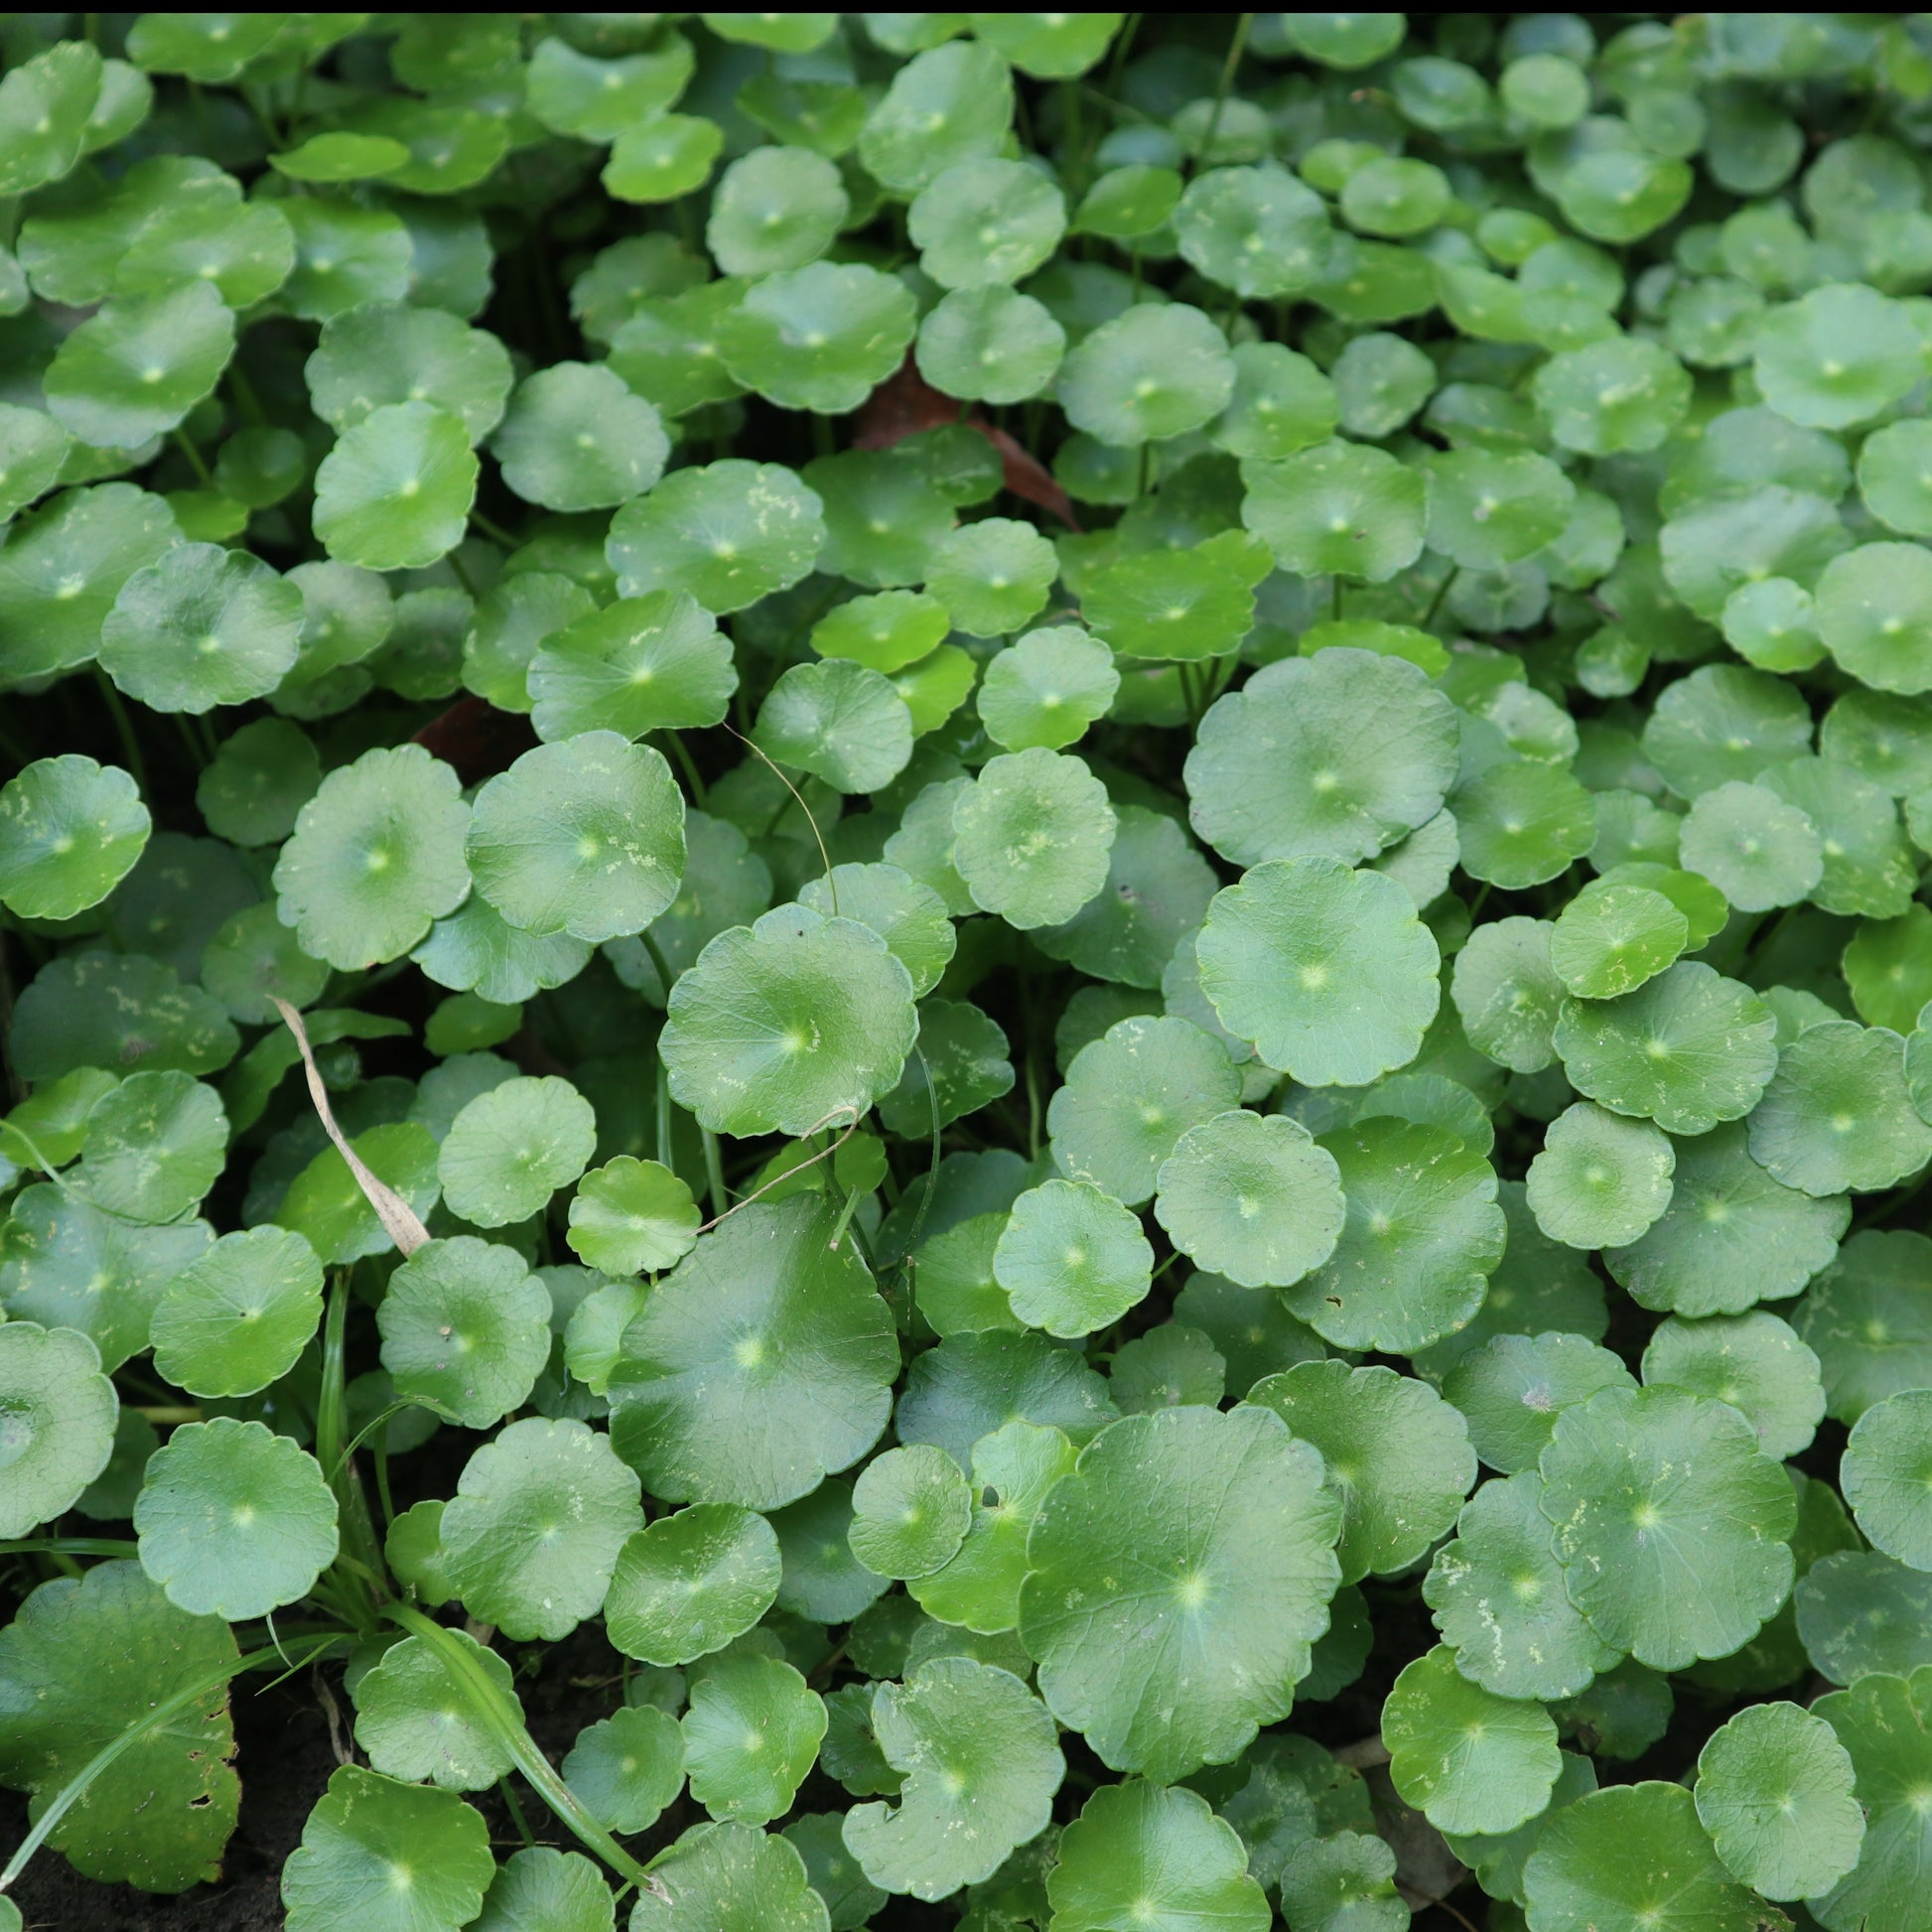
(1011, 921)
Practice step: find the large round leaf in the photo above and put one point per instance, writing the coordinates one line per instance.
(1179, 1577)
(788, 1024)
(762, 1362)
(584, 836)
(981, 1761)
(1672, 1526)
(532, 1534)
(376, 857)
(1327, 971)
(1341, 752)
(86, 1659)
(69, 831)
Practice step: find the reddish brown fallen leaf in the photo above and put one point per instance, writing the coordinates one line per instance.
(906, 403)
(477, 739)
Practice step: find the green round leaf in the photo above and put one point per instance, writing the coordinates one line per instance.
(376, 855)
(71, 830)
(234, 1521)
(1880, 1723)
(532, 1534)
(1886, 1476)
(775, 209)
(424, 1852)
(415, 1719)
(842, 721)
(1871, 605)
(1731, 1234)
(1774, 1791)
(1073, 1259)
(643, 663)
(59, 1421)
(1144, 1854)
(510, 624)
(662, 158)
(1838, 356)
(630, 1217)
(511, 1148)
(1521, 823)
(153, 1146)
(989, 344)
(575, 438)
(47, 101)
(820, 338)
(788, 1024)
(1600, 1180)
(688, 1583)
(1282, 403)
(627, 1768)
(395, 491)
(140, 363)
(822, 1580)
(986, 222)
(751, 1735)
(1621, 393)
(1511, 1388)
(1497, 1594)
(1328, 972)
(1032, 837)
(945, 106)
(345, 255)
(1758, 851)
(1837, 1114)
(1341, 754)
(1687, 1049)
(584, 836)
(236, 1318)
(762, 1362)
(981, 1761)
(84, 1661)
(1863, 1321)
(1127, 1099)
(1487, 508)
(729, 1877)
(1156, 371)
(1168, 1368)
(341, 157)
(1256, 231)
(262, 777)
(992, 576)
(912, 1510)
(1166, 1676)
(62, 566)
(464, 1330)
(1467, 1759)
(1250, 1197)
(1338, 509)
(729, 533)
(544, 1890)
(71, 1266)
(908, 917)
(384, 354)
(1507, 994)
(1629, 1858)
(1611, 939)
(1671, 1524)
(200, 628)
(1753, 1361)
(1395, 1454)
(32, 452)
